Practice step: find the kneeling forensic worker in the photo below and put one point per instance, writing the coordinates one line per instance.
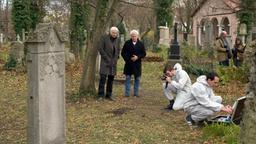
(202, 103)
(177, 82)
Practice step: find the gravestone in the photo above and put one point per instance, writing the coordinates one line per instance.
(46, 85)
(17, 51)
(164, 37)
(69, 57)
(174, 50)
(1, 38)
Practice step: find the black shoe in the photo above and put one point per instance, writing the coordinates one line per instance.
(110, 99)
(169, 107)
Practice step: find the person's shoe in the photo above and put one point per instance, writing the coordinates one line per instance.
(136, 96)
(169, 107)
(100, 99)
(110, 99)
(189, 120)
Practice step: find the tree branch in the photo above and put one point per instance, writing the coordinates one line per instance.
(137, 5)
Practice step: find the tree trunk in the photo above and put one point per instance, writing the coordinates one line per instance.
(102, 19)
(248, 130)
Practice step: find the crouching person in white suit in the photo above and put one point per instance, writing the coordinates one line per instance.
(202, 102)
(177, 82)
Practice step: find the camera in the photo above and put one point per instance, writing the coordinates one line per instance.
(163, 77)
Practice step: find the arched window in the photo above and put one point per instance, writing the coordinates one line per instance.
(226, 25)
(215, 27)
(202, 31)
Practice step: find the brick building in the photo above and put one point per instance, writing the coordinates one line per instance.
(213, 16)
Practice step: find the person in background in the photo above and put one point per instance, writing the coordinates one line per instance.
(133, 51)
(202, 103)
(238, 52)
(109, 49)
(223, 49)
(176, 82)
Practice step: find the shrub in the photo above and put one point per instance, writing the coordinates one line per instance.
(11, 63)
(197, 69)
(231, 73)
(195, 61)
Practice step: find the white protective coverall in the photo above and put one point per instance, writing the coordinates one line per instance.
(180, 85)
(202, 103)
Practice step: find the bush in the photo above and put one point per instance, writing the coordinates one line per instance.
(11, 63)
(4, 53)
(195, 61)
(148, 40)
(228, 133)
(231, 73)
(197, 69)
(191, 55)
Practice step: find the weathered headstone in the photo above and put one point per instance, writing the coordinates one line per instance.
(1, 38)
(243, 31)
(46, 85)
(164, 37)
(70, 57)
(17, 51)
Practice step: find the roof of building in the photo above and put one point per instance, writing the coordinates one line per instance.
(232, 4)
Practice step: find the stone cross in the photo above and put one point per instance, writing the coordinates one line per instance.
(46, 85)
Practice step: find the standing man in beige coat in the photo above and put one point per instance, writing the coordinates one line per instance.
(222, 48)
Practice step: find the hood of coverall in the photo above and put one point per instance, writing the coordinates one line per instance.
(177, 67)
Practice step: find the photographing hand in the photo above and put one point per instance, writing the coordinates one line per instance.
(169, 79)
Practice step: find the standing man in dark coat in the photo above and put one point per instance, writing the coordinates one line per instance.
(133, 51)
(109, 50)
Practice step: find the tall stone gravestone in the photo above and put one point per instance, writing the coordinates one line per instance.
(164, 35)
(46, 85)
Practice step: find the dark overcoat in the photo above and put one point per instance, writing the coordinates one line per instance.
(129, 49)
(109, 51)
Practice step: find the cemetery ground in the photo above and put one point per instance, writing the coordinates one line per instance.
(131, 120)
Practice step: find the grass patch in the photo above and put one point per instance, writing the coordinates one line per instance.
(222, 132)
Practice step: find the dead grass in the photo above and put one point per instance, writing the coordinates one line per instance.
(130, 120)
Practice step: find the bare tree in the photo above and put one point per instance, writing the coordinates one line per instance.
(58, 11)
(138, 15)
(4, 17)
(184, 9)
